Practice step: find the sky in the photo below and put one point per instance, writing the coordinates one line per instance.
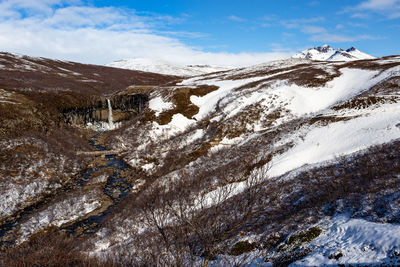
(216, 32)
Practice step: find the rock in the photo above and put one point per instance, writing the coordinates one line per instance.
(124, 107)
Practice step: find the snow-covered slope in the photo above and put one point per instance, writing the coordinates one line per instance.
(164, 67)
(297, 117)
(355, 241)
(286, 90)
(291, 161)
(335, 84)
(327, 53)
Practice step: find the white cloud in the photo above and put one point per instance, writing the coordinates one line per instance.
(56, 29)
(312, 29)
(236, 18)
(357, 25)
(313, 3)
(322, 34)
(339, 26)
(388, 8)
(298, 23)
(339, 38)
(379, 4)
(304, 25)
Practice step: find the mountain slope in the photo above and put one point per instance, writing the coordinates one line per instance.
(267, 164)
(39, 99)
(327, 53)
(164, 67)
(313, 128)
(280, 92)
(21, 73)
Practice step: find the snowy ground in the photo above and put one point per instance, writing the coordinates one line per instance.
(375, 125)
(341, 138)
(252, 102)
(264, 118)
(356, 242)
(164, 67)
(60, 213)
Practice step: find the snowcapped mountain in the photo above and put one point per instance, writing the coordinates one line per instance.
(164, 67)
(327, 53)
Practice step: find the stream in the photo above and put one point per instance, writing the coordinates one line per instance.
(116, 187)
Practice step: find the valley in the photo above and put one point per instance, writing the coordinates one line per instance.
(292, 161)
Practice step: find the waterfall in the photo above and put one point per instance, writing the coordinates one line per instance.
(110, 116)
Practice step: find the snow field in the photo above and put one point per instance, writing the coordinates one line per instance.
(340, 138)
(358, 241)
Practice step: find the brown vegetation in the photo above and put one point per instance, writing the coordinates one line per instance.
(50, 249)
(53, 75)
(277, 210)
(188, 210)
(365, 102)
(182, 104)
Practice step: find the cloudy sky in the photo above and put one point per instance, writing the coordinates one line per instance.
(220, 32)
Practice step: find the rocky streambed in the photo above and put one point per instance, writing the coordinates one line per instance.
(78, 207)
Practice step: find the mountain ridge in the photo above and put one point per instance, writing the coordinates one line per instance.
(164, 67)
(327, 53)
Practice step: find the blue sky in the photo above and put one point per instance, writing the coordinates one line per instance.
(257, 25)
(217, 32)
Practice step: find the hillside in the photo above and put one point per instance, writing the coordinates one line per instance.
(290, 121)
(164, 67)
(289, 162)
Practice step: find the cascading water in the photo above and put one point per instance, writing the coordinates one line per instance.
(110, 116)
(104, 125)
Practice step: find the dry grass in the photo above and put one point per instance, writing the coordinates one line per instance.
(284, 210)
(182, 104)
(325, 120)
(301, 75)
(50, 249)
(138, 89)
(365, 102)
(310, 77)
(369, 64)
(75, 77)
(389, 86)
(262, 72)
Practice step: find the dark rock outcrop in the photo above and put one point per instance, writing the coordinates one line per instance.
(124, 107)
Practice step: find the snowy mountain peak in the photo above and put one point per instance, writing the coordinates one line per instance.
(352, 49)
(327, 53)
(324, 49)
(164, 67)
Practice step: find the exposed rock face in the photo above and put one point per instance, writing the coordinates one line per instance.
(124, 106)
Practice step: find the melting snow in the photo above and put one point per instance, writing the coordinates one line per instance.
(340, 138)
(60, 213)
(302, 100)
(158, 105)
(178, 124)
(358, 241)
(164, 67)
(208, 102)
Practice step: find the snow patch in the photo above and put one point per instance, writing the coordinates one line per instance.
(302, 100)
(355, 241)
(158, 105)
(178, 124)
(164, 67)
(208, 102)
(60, 213)
(340, 138)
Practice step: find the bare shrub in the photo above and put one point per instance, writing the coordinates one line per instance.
(49, 249)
